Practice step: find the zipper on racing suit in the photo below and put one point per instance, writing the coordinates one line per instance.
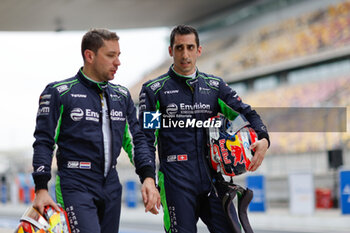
(192, 85)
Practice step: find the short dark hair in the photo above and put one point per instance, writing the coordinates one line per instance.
(93, 39)
(183, 30)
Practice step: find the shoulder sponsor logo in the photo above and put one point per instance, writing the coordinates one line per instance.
(62, 88)
(42, 111)
(171, 92)
(214, 83)
(77, 114)
(123, 91)
(171, 109)
(78, 95)
(155, 86)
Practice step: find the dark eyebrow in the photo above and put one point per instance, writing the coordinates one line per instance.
(114, 53)
(183, 45)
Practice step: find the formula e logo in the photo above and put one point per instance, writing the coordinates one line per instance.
(151, 120)
(171, 109)
(77, 114)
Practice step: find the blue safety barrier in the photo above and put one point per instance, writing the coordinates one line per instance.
(130, 194)
(344, 177)
(257, 184)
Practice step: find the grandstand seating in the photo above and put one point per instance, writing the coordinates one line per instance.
(327, 93)
(293, 38)
(321, 30)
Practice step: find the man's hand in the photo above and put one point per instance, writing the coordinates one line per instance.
(42, 199)
(260, 147)
(150, 196)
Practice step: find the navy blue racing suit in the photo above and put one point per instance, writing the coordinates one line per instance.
(69, 118)
(183, 176)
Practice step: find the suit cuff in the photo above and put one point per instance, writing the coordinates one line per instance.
(41, 182)
(144, 172)
(266, 136)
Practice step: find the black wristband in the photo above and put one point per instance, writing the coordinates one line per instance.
(144, 172)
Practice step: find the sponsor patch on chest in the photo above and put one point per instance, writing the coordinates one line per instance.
(79, 165)
(85, 165)
(177, 158)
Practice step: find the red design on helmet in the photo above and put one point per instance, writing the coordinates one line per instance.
(229, 145)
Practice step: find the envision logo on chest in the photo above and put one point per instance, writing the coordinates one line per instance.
(117, 115)
(92, 116)
(77, 114)
(171, 109)
(195, 106)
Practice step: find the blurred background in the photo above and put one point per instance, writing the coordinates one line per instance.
(290, 55)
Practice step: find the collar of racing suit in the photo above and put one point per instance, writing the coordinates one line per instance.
(191, 82)
(98, 86)
(193, 75)
(173, 73)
